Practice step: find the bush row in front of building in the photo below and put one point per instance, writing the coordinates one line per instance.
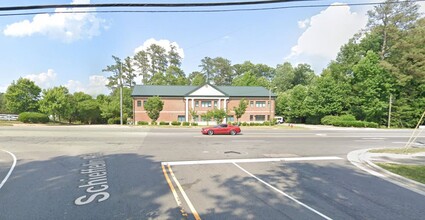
(347, 121)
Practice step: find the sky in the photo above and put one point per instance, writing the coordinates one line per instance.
(72, 49)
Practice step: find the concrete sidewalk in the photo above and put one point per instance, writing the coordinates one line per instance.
(366, 160)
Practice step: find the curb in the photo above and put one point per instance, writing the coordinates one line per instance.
(361, 159)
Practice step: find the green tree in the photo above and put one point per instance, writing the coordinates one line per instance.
(219, 70)
(295, 108)
(303, 75)
(389, 20)
(197, 79)
(115, 80)
(327, 96)
(249, 79)
(129, 73)
(141, 62)
(89, 111)
(158, 59)
(22, 96)
(2, 103)
(240, 110)
(284, 77)
(175, 76)
(153, 107)
(55, 102)
(259, 70)
(372, 86)
(217, 114)
(193, 114)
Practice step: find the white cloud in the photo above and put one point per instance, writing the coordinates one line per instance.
(3, 88)
(303, 24)
(422, 8)
(166, 44)
(44, 80)
(66, 27)
(326, 32)
(96, 85)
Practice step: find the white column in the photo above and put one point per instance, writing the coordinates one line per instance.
(225, 108)
(193, 103)
(219, 103)
(187, 109)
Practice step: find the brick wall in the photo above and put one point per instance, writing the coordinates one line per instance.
(174, 107)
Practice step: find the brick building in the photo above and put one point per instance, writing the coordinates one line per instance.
(180, 100)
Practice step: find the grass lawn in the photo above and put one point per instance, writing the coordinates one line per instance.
(399, 150)
(9, 123)
(414, 172)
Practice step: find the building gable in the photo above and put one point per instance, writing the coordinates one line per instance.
(207, 90)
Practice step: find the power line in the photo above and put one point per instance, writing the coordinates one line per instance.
(144, 5)
(207, 10)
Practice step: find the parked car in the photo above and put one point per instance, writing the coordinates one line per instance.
(279, 119)
(222, 129)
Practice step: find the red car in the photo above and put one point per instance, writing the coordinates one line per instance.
(222, 129)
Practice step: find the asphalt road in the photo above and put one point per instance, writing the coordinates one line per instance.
(111, 172)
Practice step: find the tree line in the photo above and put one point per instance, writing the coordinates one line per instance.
(382, 65)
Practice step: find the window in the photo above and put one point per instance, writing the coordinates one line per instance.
(260, 104)
(251, 117)
(260, 118)
(206, 104)
(230, 118)
(139, 103)
(144, 103)
(215, 104)
(195, 117)
(251, 103)
(196, 104)
(181, 118)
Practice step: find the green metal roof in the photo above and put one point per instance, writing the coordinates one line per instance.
(183, 91)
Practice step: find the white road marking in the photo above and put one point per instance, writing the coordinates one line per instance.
(373, 138)
(284, 194)
(321, 134)
(186, 198)
(11, 169)
(259, 160)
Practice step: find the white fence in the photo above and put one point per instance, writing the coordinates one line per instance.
(8, 117)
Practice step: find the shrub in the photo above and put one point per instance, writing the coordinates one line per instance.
(347, 121)
(164, 123)
(176, 123)
(267, 123)
(33, 117)
(117, 121)
(244, 123)
(154, 123)
(186, 123)
(194, 123)
(142, 123)
(330, 119)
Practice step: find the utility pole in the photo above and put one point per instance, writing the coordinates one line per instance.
(121, 93)
(389, 111)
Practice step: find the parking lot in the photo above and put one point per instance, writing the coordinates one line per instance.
(112, 172)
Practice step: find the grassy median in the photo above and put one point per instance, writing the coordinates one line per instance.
(414, 172)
